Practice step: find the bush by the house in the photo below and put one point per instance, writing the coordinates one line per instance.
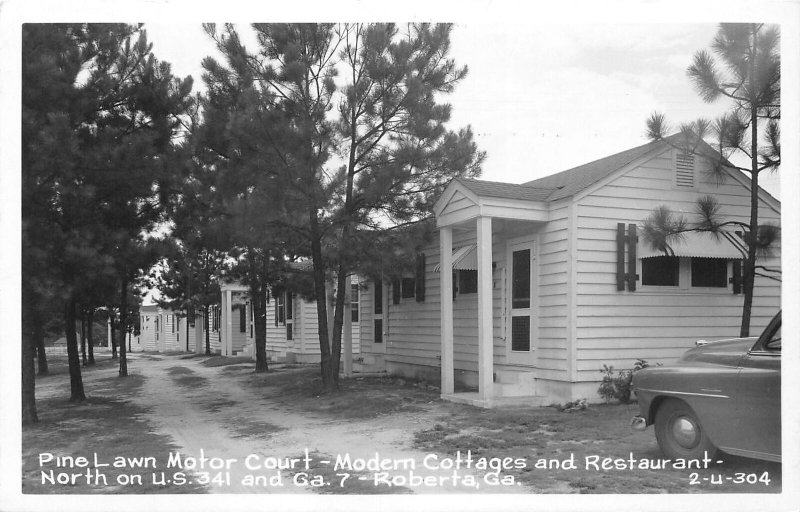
(620, 387)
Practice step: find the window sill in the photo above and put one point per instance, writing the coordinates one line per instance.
(675, 290)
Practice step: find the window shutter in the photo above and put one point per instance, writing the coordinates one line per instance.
(396, 291)
(276, 311)
(420, 281)
(736, 279)
(620, 257)
(243, 318)
(632, 241)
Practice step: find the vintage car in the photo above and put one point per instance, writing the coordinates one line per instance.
(722, 395)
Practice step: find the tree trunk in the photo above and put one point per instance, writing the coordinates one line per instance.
(326, 368)
(338, 321)
(75, 379)
(38, 342)
(260, 318)
(84, 358)
(90, 335)
(123, 327)
(113, 340)
(749, 270)
(207, 329)
(29, 321)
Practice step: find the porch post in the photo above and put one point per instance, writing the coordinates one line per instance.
(227, 346)
(199, 331)
(446, 287)
(347, 335)
(485, 334)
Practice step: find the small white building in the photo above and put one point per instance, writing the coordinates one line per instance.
(533, 287)
(292, 330)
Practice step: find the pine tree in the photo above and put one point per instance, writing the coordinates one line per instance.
(749, 77)
(355, 136)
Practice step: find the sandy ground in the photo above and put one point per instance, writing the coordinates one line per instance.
(182, 413)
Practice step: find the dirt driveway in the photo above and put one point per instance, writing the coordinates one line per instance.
(211, 409)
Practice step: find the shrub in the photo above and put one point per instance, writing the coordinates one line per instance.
(607, 385)
(620, 387)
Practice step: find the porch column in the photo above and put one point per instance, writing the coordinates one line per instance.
(446, 287)
(347, 334)
(109, 331)
(199, 332)
(227, 346)
(485, 335)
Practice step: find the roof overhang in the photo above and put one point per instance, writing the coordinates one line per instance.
(458, 204)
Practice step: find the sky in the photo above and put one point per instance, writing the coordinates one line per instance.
(542, 98)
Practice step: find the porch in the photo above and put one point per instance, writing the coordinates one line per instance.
(510, 215)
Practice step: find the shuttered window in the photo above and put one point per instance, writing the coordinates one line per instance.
(243, 318)
(661, 271)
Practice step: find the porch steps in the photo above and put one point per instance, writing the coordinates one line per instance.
(474, 400)
(514, 384)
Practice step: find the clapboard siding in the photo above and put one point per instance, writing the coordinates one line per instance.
(658, 325)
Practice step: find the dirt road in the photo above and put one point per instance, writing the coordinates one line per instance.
(207, 412)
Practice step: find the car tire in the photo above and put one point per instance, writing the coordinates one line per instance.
(679, 433)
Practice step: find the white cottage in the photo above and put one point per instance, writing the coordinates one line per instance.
(533, 287)
(164, 330)
(292, 328)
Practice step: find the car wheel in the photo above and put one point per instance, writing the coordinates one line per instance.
(679, 433)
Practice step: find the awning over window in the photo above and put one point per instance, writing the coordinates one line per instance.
(464, 258)
(693, 244)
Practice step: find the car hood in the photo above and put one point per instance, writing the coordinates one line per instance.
(726, 351)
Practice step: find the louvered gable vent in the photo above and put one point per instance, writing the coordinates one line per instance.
(684, 170)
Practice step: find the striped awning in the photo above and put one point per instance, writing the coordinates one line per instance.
(464, 258)
(694, 244)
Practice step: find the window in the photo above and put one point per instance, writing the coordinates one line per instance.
(688, 273)
(280, 309)
(354, 302)
(172, 321)
(521, 285)
(378, 297)
(661, 271)
(408, 286)
(709, 272)
(467, 281)
(289, 305)
(243, 318)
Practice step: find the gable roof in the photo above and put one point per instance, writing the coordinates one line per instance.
(506, 190)
(566, 183)
(572, 181)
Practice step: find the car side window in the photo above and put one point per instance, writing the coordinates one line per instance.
(774, 342)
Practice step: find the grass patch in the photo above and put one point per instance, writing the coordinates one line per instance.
(546, 433)
(186, 377)
(105, 425)
(217, 404)
(243, 427)
(357, 398)
(215, 361)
